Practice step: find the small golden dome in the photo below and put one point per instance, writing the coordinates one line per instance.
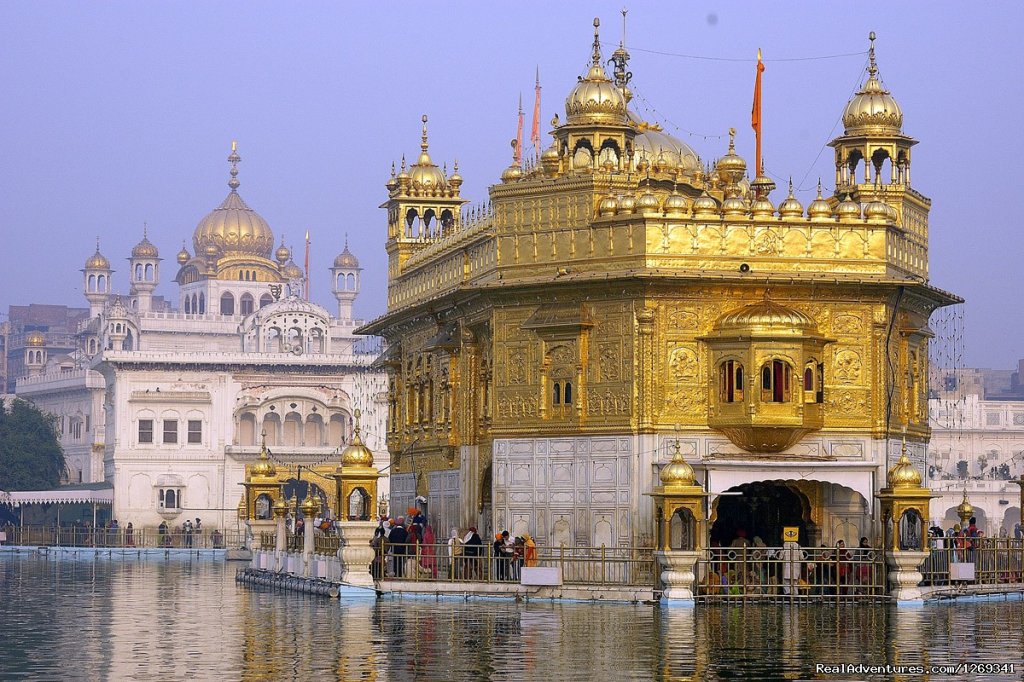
(790, 206)
(677, 473)
(608, 206)
(648, 203)
(848, 209)
(903, 474)
(965, 509)
(346, 259)
(183, 256)
(550, 155)
(731, 167)
(392, 183)
(97, 261)
(283, 253)
(310, 506)
(676, 204)
(455, 180)
(280, 508)
(512, 173)
(762, 207)
(424, 175)
(877, 211)
(705, 206)
(819, 208)
(292, 271)
(263, 466)
(766, 315)
(357, 454)
(873, 110)
(627, 204)
(35, 339)
(233, 227)
(734, 207)
(595, 99)
(652, 142)
(145, 248)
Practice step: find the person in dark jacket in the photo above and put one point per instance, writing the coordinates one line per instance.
(472, 552)
(397, 539)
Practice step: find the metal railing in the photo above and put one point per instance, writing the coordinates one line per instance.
(322, 543)
(41, 536)
(600, 566)
(995, 561)
(801, 573)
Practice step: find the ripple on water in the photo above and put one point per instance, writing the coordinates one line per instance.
(149, 620)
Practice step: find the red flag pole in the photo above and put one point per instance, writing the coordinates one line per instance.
(535, 128)
(755, 115)
(307, 265)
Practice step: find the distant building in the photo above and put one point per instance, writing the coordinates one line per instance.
(55, 325)
(977, 420)
(168, 403)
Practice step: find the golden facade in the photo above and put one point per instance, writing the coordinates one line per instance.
(618, 295)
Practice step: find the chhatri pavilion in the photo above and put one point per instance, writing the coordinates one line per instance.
(618, 298)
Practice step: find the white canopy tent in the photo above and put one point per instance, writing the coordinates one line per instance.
(95, 494)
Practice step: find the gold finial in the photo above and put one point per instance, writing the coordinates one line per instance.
(622, 43)
(790, 185)
(403, 163)
(872, 67)
(515, 152)
(423, 140)
(145, 230)
(597, 43)
(732, 140)
(819, 189)
(392, 169)
(233, 159)
(97, 243)
(357, 414)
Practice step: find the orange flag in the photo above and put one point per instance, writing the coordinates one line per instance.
(755, 113)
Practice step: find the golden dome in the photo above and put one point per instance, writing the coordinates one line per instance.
(762, 207)
(280, 508)
(183, 256)
(595, 99)
(651, 142)
(790, 206)
(903, 474)
(283, 253)
(35, 339)
(819, 208)
(676, 204)
(608, 205)
(233, 227)
(677, 473)
(455, 180)
(310, 506)
(965, 510)
(705, 206)
(873, 110)
(512, 173)
(734, 207)
(97, 261)
(766, 315)
(357, 454)
(877, 210)
(648, 202)
(731, 167)
(263, 466)
(627, 204)
(848, 209)
(424, 175)
(145, 248)
(345, 259)
(292, 271)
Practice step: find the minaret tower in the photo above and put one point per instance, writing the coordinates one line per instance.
(345, 282)
(96, 281)
(35, 354)
(145, 272)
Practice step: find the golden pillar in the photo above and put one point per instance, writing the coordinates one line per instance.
(678, 492)
(355, 481)
(904, 493)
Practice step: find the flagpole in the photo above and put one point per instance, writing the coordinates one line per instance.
(519, 133)
(307, 265)
(535, 128)
(755, 116)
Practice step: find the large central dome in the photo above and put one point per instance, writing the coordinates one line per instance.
(233, 227)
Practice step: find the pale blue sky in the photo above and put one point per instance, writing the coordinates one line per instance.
(117, 113)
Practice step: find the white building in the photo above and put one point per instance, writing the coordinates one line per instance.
(977, 446)
(169, 405)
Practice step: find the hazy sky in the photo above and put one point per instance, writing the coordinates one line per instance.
(119, 113)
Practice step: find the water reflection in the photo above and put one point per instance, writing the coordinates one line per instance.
(103, 619)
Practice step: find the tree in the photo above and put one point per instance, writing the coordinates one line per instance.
(31, 458)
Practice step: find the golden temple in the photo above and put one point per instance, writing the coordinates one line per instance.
(617, 298)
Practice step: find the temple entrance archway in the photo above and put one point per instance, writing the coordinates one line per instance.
(760, 509)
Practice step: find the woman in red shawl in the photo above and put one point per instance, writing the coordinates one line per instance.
(429, 552)
(414, 548)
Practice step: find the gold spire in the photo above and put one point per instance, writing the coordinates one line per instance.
(677, 472)
(423, 139)
(233, 159)
(596, 57)
(356, 454)
(872, 67)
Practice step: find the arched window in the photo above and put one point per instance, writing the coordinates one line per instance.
(266, 299)
(813, 382)
(350, 282)
(138, 272)
(202, 303)
(227, 304)
(293, 429)
(730, 382)
(776, 376)
(150, 272)
(272, 427)
(247, 429)
(246, 304)
(170, 499)
(556, 398)
(567, 393)
(101, 282)
(188, 305)
(92, 282)
(241, 276)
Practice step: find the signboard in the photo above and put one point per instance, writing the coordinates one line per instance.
(790, 534)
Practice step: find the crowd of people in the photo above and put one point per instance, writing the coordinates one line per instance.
(407, 548)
